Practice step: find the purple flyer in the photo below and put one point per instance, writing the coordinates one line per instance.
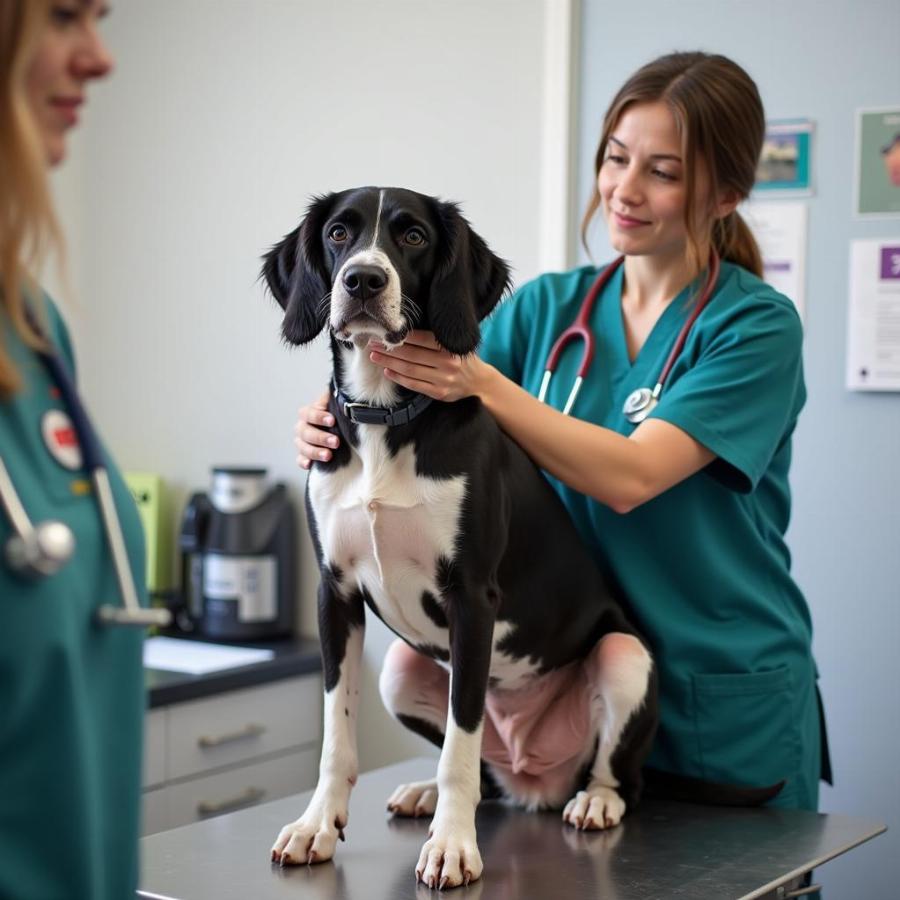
(890, 262)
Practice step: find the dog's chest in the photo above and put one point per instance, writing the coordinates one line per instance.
(385, 528)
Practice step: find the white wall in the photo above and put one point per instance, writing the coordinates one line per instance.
(202, 150)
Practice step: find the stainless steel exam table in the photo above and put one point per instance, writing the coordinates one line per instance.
(663, 850)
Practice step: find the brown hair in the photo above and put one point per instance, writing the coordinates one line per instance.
(28, 225)
(720, 118)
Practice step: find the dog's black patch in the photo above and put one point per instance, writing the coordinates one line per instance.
(422, 728)
(434, 610)
(434, 651)
(337, 618)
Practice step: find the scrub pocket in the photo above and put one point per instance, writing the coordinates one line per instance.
(747, 729)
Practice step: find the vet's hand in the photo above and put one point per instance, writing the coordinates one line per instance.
(310, 438)
(422, 365)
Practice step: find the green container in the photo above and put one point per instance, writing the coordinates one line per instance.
(151, 497)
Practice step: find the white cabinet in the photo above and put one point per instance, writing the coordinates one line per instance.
(206, 757)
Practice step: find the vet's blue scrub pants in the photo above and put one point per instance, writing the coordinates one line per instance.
(704, 564)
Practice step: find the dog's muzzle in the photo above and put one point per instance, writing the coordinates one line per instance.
(366, 300)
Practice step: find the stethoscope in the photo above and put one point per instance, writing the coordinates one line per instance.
(639, 403)
(41, 549)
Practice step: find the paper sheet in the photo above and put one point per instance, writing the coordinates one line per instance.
(195, 658)
(873, 320)
(780, 231)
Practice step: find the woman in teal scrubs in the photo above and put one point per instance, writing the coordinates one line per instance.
(71, 691)
(686, 510)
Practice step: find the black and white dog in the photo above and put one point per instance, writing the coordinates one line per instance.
(514, 657)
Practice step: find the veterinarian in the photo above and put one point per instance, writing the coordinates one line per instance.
(71, 689)
(681, 491)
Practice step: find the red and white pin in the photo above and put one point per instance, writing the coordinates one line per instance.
(61, 440)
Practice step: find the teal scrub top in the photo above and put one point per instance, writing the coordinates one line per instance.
(71, 691)
(704, 565)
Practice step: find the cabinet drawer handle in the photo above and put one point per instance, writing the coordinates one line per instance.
(248, 731)
(251, 795)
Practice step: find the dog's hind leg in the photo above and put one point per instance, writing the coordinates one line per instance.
(621, 673)
(414, 690)
(313, 837)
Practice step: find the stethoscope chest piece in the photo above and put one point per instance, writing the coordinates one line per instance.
(638, 405)
(41, 551)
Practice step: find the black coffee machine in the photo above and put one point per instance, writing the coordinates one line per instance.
(238, 546)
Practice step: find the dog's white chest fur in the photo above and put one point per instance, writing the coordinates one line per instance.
(385, 528)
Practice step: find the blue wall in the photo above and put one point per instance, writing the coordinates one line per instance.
(820, 60)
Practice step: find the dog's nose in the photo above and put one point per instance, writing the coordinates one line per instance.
(363, 282)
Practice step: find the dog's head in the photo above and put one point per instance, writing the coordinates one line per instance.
(378, 262)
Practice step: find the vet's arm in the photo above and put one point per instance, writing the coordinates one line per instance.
(310, 437)
(622, 472)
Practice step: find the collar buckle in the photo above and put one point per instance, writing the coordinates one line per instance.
(349, 405)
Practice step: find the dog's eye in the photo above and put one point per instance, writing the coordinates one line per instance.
(415, 237)
(338, 234)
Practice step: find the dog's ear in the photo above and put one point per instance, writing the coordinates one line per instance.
(468, 284)
(297, 276)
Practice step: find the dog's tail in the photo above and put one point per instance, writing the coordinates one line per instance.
(669, 786)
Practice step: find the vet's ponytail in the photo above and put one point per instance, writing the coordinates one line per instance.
(735, 242)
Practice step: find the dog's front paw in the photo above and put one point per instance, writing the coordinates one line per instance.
(597, 807)
(416, 799)
(311, 839)
(449, 858)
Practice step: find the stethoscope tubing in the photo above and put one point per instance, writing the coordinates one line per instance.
(91, 453)
(15, 512)
(580, 330)
(699, 306)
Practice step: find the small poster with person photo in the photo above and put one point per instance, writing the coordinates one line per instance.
(878, 162)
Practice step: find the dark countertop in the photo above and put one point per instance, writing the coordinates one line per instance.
(293, 656)
(663, 850)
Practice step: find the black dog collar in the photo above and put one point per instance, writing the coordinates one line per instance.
(363, 414)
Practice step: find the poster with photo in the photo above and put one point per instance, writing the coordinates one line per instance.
(785, 161)
(878, 162)
(873, 319)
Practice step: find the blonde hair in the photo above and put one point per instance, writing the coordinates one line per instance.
(720, 118)
(28, 223)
